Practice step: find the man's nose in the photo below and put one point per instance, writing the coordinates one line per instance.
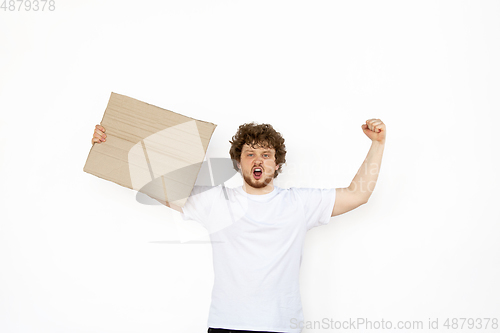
(258, 160)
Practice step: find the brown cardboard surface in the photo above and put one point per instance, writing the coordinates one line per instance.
(149, 149)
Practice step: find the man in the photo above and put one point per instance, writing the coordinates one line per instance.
(257, 252)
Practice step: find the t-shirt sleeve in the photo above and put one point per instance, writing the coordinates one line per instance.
(318, 205)
(199, 204)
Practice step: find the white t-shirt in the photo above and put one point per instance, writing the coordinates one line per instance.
(257, 243)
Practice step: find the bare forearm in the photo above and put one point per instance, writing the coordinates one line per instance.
(365, 180)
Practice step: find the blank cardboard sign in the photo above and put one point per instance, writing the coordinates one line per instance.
(149, 149)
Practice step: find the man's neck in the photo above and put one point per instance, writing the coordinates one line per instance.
(258, 191)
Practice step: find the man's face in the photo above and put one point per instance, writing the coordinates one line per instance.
(257, 165)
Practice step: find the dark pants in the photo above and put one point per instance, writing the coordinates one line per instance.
(224, 330)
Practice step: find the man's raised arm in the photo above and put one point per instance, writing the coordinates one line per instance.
(365, 180)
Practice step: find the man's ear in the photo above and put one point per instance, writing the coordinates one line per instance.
(239, 165)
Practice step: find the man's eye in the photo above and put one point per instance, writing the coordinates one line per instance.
(265, 155)
(250, 155)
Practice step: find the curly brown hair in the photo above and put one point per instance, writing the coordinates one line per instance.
(254, 135)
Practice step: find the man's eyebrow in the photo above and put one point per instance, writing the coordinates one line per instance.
(251, 150)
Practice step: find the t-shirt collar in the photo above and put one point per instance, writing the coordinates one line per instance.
(259, 197)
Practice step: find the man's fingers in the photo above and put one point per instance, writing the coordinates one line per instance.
(375, 125)
(370, 125)
(99, 133)
(98, 136)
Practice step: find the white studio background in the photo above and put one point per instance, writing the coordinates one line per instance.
(80, 254)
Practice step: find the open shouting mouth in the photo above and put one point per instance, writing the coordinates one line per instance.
(257, 173)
